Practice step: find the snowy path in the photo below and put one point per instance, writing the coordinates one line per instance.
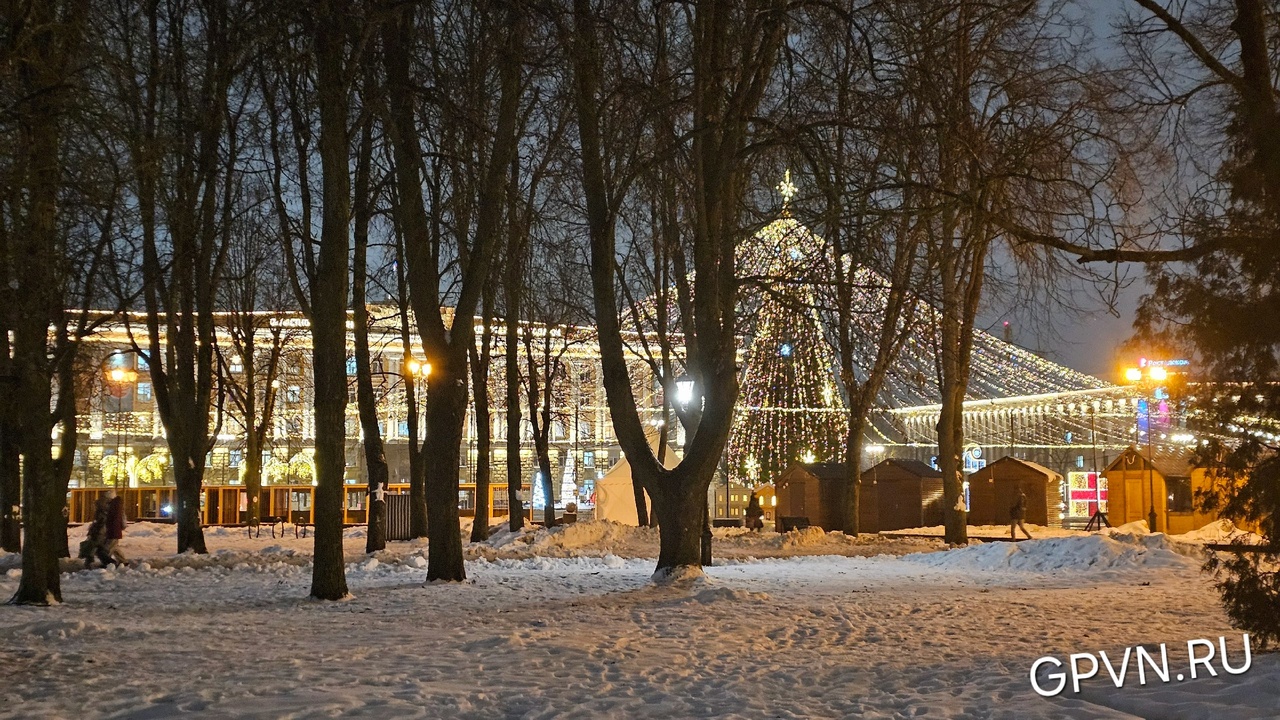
(806, 637)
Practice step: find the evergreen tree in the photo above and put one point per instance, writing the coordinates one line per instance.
(1217, 306)
(790, 409)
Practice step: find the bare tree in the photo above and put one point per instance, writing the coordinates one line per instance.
(367, 403)
(448, 338)
(37, 62)
(481, 359)
(174, 85)
(332, 42)
(733, 48)
(253, 293)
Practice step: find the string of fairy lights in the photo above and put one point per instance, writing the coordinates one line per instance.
(792, 408)
(792, 405)
(789, 407)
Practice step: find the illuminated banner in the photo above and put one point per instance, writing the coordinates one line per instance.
(1179, 363)
(1086, 494)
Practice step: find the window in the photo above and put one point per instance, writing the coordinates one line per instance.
(1079, 461)
(1180, 499)
(293, 394)
(351, 366)
(234, 458)
(144, 391)
(588, 459)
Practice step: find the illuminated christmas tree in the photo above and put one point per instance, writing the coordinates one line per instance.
(790, 408)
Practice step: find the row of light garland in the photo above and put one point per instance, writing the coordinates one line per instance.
(790, 408)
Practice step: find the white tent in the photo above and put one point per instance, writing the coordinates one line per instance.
(615, 500)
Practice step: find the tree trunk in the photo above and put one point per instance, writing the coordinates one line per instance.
(10, 486)
(253, 477)
(548, 484)
(417, 466)
(950, 442)
(515, 470)
(417, 473)
(329, 303)
(188, 475)
(41, 579)
(375, 458)
(41, 506)
(642, 505)
(39, 147)
(484, 441)
(853, 478)
(484, 428)
(446, 412)
(706, 532)
(681, 509)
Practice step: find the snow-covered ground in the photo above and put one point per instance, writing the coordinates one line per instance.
(568, 623)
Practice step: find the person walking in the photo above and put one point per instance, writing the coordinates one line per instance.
(1017, 514)
(96, 536)
(115, 531)
(754, 514)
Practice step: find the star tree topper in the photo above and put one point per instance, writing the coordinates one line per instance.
(786, 189)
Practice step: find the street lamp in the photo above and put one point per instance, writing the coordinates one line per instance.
(120, 377)
(684, 391)
(684, 397)
(416, 368)
(1154, 374)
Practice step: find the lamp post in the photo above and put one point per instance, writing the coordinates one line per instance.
(413, 371)
(120, 377)
(684, 397)
(1149, 380)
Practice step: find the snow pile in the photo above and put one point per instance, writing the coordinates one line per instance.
(806, 537)
(987, 531)
(596, 535)
(679, 576)
(1219, 532)
(155, 530)
(562, 564)
(1137, 527)
(504, 537)
(1074, 554)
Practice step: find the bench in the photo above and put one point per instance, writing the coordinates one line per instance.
(271, 521)
(792, 522)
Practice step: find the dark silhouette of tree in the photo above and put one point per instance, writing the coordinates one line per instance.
(38, 59)
(733, 48)
(462, 60)
(1215, 63)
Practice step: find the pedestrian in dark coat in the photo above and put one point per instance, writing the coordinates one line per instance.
(754, 514)
(115, 531)
(96, 536)
(1017, 514)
